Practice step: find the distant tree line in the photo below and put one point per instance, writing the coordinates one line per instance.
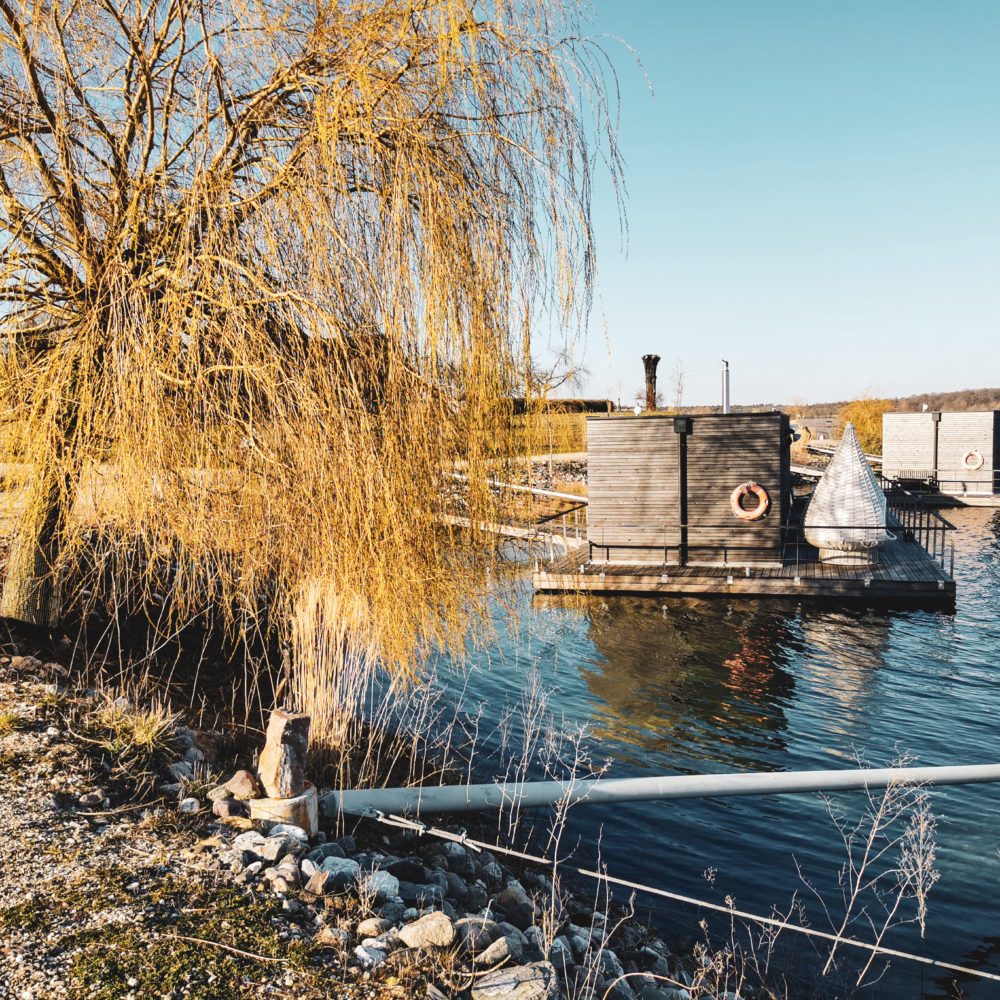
(960, 399)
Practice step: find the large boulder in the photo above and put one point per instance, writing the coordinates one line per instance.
(435, 930)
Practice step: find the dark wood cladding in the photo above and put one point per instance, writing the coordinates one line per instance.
(633, 486)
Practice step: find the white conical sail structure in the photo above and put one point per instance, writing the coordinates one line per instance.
(847, 512)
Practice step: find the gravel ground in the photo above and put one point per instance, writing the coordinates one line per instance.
(117, 880)
(108, 900)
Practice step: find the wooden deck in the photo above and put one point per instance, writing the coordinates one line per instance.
(905, 573)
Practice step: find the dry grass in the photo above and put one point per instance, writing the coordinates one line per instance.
(10, 722)
(128, 729)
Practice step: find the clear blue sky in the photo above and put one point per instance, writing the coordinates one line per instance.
(813, 192)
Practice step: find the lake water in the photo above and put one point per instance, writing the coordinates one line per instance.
(686, 686)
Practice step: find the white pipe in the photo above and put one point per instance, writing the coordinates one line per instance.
(725, 386)
(468, 798)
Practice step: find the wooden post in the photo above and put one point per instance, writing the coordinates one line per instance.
(936, 420)
(682, 427)
(282, 772)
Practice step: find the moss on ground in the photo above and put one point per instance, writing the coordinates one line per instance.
(117, 960)
(111, 957)
(31, 915)
(10, 722)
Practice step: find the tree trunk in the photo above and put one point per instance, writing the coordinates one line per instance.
(29, 593)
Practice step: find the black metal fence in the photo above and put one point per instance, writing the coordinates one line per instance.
(908, 521)
(909, 524)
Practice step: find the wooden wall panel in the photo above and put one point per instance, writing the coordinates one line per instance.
(633, 485)
(996, 452)
(907, 444)
(961, 433)
(908, 448)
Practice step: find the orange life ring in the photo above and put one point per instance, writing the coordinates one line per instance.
(973, 460)
(744, 490)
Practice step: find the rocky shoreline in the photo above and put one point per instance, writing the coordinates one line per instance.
(171, 891)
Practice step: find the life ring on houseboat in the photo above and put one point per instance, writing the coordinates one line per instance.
(973, 460)
(745, 490)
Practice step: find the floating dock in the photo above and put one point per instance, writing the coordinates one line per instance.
(915, 568)
(705, 505)
(905, 573)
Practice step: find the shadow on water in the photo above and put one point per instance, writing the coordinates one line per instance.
(683, 686)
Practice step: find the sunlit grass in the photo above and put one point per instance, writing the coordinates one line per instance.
(124, 729)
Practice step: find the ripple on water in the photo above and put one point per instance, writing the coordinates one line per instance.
(694, 686)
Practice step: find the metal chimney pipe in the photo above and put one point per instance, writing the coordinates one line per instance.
(725, 386)
(650, 361)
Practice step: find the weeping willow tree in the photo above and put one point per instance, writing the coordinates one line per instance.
(269, 271)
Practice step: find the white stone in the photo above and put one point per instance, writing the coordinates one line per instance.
(250, 841)
(435, 930)
(288, 830)
(369, 957)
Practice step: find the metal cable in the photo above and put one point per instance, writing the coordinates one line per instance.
(421, 829)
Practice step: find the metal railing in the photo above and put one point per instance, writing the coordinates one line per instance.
(951, 482)
(784, 543)
(927, 527)
(567, 523)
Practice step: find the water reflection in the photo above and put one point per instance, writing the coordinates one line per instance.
(690, 673)
(707, 685)
(846, 652)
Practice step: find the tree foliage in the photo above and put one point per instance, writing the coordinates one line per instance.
(866, 415)
(269, 269)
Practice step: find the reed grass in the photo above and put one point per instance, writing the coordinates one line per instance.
(127, 728)
(10, 722)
